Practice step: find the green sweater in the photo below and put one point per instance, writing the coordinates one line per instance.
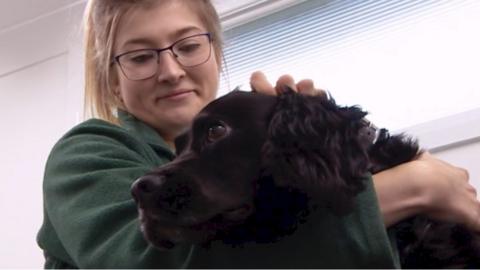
(90, 219)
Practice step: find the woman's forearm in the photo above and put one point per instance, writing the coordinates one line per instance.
(399, 194)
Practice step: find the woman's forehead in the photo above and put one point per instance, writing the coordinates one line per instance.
(159, 25)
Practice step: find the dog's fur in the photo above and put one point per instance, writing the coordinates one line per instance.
(252, 167)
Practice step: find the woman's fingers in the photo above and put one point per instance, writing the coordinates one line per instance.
(476, 218)
(472, 211)
(473, 206)
(306, 87)
(285, 81)
(259, 83)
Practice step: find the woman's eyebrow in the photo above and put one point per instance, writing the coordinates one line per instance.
(186, 30)
(149, 41)
(138, 41)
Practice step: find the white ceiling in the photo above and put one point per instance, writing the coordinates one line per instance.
(17, 12)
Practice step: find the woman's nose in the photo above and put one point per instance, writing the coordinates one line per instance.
(169, 69)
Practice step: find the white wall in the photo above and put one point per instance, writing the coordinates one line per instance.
(40, 98)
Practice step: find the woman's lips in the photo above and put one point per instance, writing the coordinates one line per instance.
(177, 95)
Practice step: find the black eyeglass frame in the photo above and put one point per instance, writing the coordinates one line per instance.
(116, 59)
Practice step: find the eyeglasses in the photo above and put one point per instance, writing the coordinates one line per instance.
(143, 64)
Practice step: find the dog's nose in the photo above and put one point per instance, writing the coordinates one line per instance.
(155, 193)
(144, 189)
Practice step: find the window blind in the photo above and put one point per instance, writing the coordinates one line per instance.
(409, 56)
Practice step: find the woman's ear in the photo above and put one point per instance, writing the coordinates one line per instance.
(302, 153)
(117, 97)
(117, 93)
(115, 88)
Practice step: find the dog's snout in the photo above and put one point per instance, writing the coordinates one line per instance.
(154, 192)
(144, 189)
(175, 198)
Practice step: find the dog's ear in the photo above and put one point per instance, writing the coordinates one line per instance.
(311, 147)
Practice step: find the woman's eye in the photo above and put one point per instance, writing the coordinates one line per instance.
(216, 132)
(188, 48)
(141, 58)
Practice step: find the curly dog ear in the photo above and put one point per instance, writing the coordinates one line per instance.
(312, 146)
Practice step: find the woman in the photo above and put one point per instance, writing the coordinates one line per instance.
(146, 96)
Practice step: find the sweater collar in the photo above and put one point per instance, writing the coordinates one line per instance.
(145, 132)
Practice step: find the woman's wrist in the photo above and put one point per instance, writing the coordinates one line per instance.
(401, 192)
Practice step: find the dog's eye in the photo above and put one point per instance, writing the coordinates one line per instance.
(216, 132)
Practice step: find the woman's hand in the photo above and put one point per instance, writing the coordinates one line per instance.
(259, 83)
(427, 186)
(449, 195)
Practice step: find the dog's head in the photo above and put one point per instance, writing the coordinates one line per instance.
(255, 160)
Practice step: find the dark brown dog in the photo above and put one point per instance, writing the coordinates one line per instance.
(252, 167)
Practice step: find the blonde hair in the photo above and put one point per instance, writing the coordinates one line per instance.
(101, 21)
